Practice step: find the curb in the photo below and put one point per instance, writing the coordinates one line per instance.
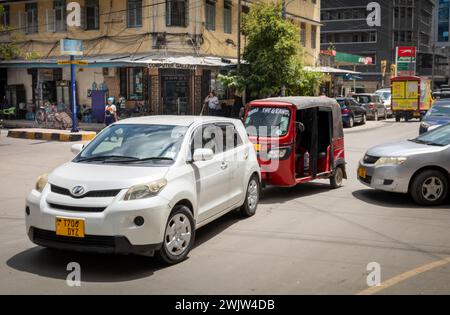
(51, 136)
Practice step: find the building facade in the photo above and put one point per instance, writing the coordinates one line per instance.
(403, 23)
(163, 55)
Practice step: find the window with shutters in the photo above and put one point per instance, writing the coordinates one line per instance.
(92, 14)
(227, 17)
(177, 13)
(134, 13)
(210, 14)
(59, 7)
(31, 18)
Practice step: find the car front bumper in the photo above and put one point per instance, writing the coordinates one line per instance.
(392, 178)
(110, 231)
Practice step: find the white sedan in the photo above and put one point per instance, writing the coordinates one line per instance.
(144, 185)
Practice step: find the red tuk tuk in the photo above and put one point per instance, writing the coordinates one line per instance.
(298, 139)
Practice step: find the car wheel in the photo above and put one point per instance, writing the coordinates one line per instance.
(248, 209)
(179, 236)
(385, 115)
(375, 116)
(364, 119)
(337, 178)
(429, 188)
(397, 118)
(351, 122)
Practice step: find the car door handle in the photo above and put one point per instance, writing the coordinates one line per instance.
(224, 165)
(246, 156)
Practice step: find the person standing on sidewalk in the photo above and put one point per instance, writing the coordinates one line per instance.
(110, 112)
(213, 104)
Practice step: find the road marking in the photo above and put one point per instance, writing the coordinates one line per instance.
(404, 276)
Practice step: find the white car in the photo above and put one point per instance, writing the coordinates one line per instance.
(144, 185)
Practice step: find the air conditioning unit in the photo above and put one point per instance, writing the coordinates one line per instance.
(109, 72)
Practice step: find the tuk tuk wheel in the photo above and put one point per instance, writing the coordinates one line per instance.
(337, 178)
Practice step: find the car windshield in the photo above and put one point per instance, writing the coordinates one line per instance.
(135, 144)
(440, 110)
(363, 99)
(437, 137)
(267, 121)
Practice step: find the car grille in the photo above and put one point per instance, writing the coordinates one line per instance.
(88, 240)
(369, 159)
(94, 193)
(75, 208)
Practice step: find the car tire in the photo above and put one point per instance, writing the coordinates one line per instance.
(252, 195)
(429, 188)
(397, 118)
(178, 251)
(337, 178)
(375, 116)
(364, 119)
(385, 115)
(351, 122)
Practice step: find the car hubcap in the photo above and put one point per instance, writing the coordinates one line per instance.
(338, 176)
(432, 189)
(178, 234)
(351, 122)
(252, 195)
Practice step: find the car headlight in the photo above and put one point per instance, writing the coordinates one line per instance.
(391, 160)
(278, 154)
(41, 182)
(145, 190)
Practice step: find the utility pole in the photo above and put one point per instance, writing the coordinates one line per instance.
(239, 36)
(433, 65)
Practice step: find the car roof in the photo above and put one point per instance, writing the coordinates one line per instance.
(301, 102)
(173, 120)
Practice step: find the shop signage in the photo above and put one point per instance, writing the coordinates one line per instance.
(344, 58)
(75, 62)
(71, 47)
(172, 66)
(406, 60)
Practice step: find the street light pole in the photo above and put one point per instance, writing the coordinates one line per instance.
(239, 36)
(433, 66)
(283, 16)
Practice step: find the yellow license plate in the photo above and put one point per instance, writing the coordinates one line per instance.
(257, 147)
(362, 172)
(70, 227)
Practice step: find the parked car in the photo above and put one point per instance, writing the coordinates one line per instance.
(352, 112)
(438, 115)
(418, 166)
(144, 185)
(373, 105)
(386, 98)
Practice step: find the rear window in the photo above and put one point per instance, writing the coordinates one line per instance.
(363, 99)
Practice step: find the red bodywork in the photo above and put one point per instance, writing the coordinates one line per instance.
(285, 172)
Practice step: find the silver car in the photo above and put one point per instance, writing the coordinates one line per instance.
(420, 167)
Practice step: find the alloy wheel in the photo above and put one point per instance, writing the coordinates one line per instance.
(252, 194)
(432, 189)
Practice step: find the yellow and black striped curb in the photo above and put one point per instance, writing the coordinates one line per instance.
(51, 135)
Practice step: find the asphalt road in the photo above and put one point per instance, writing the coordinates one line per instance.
(304, 240)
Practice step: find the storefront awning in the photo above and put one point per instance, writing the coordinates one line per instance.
(124, 61)
(330, 70)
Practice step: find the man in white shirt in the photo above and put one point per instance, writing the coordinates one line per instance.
(213, 104)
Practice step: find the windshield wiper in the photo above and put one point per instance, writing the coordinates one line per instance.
(107, 157)
(426, 142)
(152, 158)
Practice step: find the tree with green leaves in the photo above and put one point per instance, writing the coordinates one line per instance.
(8, 50)
(272, 56)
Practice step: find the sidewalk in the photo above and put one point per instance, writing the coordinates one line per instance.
(14, 124)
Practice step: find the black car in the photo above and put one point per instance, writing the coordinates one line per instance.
(373, 104)
(352, 112)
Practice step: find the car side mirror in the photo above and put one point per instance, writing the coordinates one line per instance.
(203, 155)
(77, 148)
(301, 127)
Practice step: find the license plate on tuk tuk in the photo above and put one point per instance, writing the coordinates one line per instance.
(70, 227)
(362, 172)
